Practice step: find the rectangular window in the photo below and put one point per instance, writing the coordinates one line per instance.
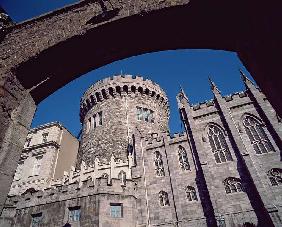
(116, 210)
(151, 116)
(44, 137)
(74, 214)
(139, 113)
(100, 118)
(36, 219)
(146, 114)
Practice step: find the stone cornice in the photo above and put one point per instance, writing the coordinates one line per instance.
(41, 145)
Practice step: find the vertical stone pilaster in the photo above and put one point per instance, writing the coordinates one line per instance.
(268, 115)
(254, 188)
(206, 197)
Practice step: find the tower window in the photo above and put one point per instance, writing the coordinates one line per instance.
(275, 176)
(36, 219)
(139, 113)
(145, 114)
(100, 121)
(94, 121)
(232, 185)
(257, 135)
(116, 210)
(74, 214)
(218, 144)
(44, 137)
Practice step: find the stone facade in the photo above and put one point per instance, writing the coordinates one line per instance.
(223, 170)
(49, 151)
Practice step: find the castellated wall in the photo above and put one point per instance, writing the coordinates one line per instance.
(210, 175)
(117, 100)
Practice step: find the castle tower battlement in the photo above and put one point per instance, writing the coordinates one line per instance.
(113, 109)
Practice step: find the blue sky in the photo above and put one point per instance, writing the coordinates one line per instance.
(170, 69)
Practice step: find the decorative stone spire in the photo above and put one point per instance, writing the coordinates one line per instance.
(181, 98)
(214, 88)
(245, 79)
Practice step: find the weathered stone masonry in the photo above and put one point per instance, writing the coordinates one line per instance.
(216, 173)
(40, 55)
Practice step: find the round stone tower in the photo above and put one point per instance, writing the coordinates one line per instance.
(112, 109)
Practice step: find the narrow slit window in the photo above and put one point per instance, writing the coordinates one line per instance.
(100, 118)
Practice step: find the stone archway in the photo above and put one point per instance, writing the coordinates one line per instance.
(43, 54)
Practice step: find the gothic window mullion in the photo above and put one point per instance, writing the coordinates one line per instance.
(249, 133)
(254, 133)
(222, 156)
(228, 155)
(216, 156)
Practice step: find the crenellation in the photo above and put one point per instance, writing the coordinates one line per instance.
(132, 172)
(139, 85)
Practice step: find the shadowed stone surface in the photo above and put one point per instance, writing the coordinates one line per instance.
(66, 43)
(156, 164)
(60, 46)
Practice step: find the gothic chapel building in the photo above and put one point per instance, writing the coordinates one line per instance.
(224, 169)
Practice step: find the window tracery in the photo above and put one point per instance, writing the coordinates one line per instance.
(218, 144)
(183, 159)
(275, 176)
(159, 164)
(257, 135)
(232, 185)
(163, 197)
(191, 193)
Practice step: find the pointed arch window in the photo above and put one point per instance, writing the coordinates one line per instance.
(191, 193)
(275, 176)
(218, 144)
(232, 185)
(159, 164)
(163, 197)
(183, 158)
(257, 135)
